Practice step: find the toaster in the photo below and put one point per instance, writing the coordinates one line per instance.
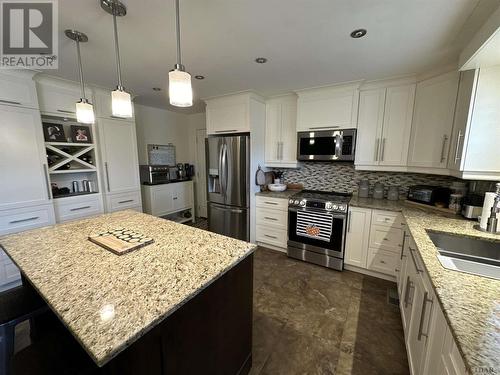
(430, 195)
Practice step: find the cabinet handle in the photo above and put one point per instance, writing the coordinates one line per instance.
(382, 151)
(460, 135)
(80, 208)
(325, 127)
(277, 150)
(272, 203)
(445, 139)
(267, 235)
(107, 175)
(349, 214)
(382, 261)
(47, 182)
(422, 316)
(409, 285)
(226, 131)
(415, 261)
(377, 144)
(23, 220)
(403, 245)
(386, 239)
(270, 218)
(127, 201)
(9, 102)
(63, 111)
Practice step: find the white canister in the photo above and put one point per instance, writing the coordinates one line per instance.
(489, 199)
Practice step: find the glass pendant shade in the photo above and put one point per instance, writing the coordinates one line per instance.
(85, 112)
(121, 104)
(180, 91)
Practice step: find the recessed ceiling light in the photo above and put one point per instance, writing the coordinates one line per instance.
(260, 60)
(199, 77)
(358, 33)
(156, 89)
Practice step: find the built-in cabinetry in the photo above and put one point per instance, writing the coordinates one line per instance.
(433, 121)
(173, 201)
(281, 132)
(57, 97)
(384, 124)
(17, 88)
(333, 107)
(272, 222)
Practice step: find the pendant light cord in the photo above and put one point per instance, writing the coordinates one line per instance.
(117, 50)
(80, 68)
(178, 32)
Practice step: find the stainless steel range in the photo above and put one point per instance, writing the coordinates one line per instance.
(317, 222)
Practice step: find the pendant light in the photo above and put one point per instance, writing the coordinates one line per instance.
(84, 109)
(121, 103)
(180, 91)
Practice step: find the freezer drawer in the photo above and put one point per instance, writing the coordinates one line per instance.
(229, 221)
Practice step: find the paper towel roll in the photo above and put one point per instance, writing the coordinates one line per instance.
(489, 199)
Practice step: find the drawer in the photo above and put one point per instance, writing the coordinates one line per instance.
(273, 203)
(387, 218)
(273, 218)
(67, 209)
(386, 238)
(19, 219)
(382, 261)
(272, 236)
(123, 201)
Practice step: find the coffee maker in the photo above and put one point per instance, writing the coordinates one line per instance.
(474, 200)
(181, 171)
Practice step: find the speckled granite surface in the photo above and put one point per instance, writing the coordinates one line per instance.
(277, 194)
(109, 301)
(471, 304)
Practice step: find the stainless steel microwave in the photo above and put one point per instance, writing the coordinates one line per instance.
(326, 145)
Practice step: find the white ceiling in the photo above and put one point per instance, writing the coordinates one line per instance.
(306, 41)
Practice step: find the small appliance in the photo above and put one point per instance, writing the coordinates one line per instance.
(430, 195)
(154, 174)
(326, 145)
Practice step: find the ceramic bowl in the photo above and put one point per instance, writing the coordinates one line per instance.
(276, 187)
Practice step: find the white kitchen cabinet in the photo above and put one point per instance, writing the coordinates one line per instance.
(10, 276)
(358, 235)
(59, 97)
(433, 121)
(281, 132)
(333, 107)
(118, 145)
(166, 200)
(77, 207)
(384, 125)
(17, 88)
(272, 222)
(24, 179)
(231, 113)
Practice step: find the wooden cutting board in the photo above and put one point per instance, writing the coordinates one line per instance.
(120, 240)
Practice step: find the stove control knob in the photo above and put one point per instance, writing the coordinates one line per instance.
(290, 201)
(342, 207)
(328, 205)
(335, 207)
(296, 202)
(303, 203)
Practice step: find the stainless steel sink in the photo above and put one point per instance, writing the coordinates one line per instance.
(465, 254)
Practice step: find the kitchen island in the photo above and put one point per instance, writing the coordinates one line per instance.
(182, 304)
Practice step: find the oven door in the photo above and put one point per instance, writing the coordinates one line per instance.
(333, 247)
(330, 145)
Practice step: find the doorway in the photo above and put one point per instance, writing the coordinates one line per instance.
(201, 179)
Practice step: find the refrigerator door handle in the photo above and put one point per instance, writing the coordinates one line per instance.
(224, 171)
(221, 152)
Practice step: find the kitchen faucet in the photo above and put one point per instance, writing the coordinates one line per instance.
(492, 224)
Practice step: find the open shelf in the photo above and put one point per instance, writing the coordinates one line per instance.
(73, 170)
(69, 144)
(178, 216)
(74, 194)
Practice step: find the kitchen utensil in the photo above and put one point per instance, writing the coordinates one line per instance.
(393, 193)
(378, 191)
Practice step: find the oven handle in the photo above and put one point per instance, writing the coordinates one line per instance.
(335, 215)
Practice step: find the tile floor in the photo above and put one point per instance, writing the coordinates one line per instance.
(312, 320)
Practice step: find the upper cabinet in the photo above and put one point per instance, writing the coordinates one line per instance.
(384, 124)
(433, 121)
(231, 113)
(58, 97)
(334, 107)
(17, 88)
(476, 129)
(281, 132)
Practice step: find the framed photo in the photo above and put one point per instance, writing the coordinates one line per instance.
(81, 134)
(53, 132)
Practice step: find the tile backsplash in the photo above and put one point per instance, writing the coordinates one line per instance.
(343, 177)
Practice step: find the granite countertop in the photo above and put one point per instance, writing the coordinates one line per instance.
(471, 304)
(278, 194)
(109, 301)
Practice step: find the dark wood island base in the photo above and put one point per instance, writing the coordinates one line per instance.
(210, 334)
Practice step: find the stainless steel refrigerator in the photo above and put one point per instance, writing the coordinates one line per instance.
(228, 176)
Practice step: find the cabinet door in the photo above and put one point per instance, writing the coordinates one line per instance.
(162, 201)
(408, 290)
(397, 124)
(16, 90)
(433, 121)
(22, 158)
(228, 117)
(463, 115)
(182, 195)
(289, 131)
(273, 132)
(118, 145)
(58, 99)
(370, 122)
(438, 329)
(358, 232)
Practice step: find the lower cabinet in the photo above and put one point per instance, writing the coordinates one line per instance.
(174, 201)
(272, 222)
(124, 201)
(78, 207)
(358, 236)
